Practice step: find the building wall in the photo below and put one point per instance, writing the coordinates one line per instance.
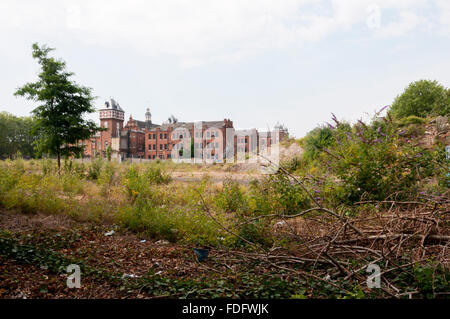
(158, 142)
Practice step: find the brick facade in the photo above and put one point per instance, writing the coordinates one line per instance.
(144, 139)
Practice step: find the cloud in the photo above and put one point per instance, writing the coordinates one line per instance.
(205, 31)
(408, 21)
(444, 19)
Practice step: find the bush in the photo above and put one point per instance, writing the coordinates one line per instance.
(412, 119)
(422, 99)
(256, 232)
(292, 164)
(316, 140)
(288, 197)
(139, 186)
(231, 198)
(95, 169)
(431, 279)
(183, 225)
(156, 176)
(376, 163)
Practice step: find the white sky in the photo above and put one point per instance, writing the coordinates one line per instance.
(253, 61)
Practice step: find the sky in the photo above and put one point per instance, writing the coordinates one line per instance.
(256, 62)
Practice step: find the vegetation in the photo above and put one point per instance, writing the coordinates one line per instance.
(422, 98)
(368, 193)
(59, 120)
(16, 136)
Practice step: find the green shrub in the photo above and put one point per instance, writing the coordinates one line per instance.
(431, 279)
(231, 198)
(182, 225)
(72, 184)
(292, 164)
(422, 99)
(140, 187)
(287, 196)
(371, 162)
(316, 140)
(95, 168)
(155, 175)
(257, 232)
(412, 119)
(48, 166)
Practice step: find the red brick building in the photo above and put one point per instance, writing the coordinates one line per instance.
(203, 141)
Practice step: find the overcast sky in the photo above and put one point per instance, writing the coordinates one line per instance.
(253, 61)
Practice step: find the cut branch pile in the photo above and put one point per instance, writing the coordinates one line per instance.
(328, 246)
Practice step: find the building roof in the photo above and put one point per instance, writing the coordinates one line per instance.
(145, 124)
(113, 105)
(208, 124)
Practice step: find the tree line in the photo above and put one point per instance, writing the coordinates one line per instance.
(16, 136)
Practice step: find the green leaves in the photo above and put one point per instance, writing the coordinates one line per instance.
(59, 118)
(16, 135)
(423, 99)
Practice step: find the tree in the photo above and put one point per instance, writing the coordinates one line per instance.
(15, 135)
(108, 153)
(316, 140)
(422, 98)
(63, 103)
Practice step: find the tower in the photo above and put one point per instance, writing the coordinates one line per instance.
(111, 118)
(148, 116)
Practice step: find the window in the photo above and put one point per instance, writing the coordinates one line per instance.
(217, 144)
(160, 146)
(154, 136)
(149, 147)
(154, 146)
(165, 135)
(160, 157)
(196, 134)
(160, 136)
(165, 146)
(207, 134)
(106, 125)
(149, 136)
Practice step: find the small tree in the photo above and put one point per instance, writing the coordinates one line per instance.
(63, 103)
(108, 153)
(422, 98)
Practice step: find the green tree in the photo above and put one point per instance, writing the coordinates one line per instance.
(63, 103)
(15, 135)
(108, 153)
(422, 98)
(316, 140)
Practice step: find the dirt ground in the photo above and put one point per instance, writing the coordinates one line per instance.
(121, 253)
